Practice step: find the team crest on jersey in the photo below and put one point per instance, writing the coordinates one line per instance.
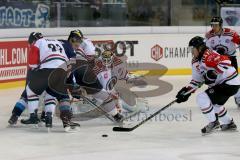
(111, 83)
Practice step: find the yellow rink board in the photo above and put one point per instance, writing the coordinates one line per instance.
(12, 84)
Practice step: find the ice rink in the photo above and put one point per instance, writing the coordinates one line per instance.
(173, 135)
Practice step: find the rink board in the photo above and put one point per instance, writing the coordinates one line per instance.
(165, 46)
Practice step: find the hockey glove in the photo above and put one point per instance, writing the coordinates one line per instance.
(77, 91)
(182, 96)
(210, 77)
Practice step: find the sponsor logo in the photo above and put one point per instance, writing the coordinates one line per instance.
(13, 60)
(156, 52)
(119, 48)
(27, 15)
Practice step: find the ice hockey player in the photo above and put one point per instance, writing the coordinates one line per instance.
(85, 77)
(109, 69)
(225, 42)
(216, 71)
(21, 104)
(45, 56)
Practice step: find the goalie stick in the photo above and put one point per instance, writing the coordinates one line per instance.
(123, 129)
(99, 108)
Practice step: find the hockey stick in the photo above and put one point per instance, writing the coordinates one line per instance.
(98, 108)
(123, 129)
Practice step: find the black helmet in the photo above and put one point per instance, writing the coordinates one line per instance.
(196, 42)
(76, 35)
(216, 20)
(34, 36)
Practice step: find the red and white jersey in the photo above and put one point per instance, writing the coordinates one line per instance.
(108, 76)
(86, 49)
(221, 64)
(227, 41)
(46, 53)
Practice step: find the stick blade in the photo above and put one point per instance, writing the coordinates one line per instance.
(122, 129)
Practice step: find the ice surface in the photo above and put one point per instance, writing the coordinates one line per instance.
(176, 138)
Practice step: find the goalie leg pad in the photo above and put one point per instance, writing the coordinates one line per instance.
(107, 101)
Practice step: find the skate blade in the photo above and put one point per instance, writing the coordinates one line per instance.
(230, 130)
(33, 126)
(69, 129)
(213, 131)
(12, 125)
(41, 124)
(219, 130)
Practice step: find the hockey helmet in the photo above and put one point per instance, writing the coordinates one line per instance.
(216, 20)
(34, 36)
(75, 36)
(196, 42)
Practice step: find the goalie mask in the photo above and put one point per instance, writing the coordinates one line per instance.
(107, 58)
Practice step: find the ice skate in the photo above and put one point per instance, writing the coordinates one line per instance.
(33, 119)
(68, 125)
(211, 127)
(42, 117)
(13, 120)
(48, 120)
(229, 127)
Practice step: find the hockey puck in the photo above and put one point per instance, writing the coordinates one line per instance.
(104, 135)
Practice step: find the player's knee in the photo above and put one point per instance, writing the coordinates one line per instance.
(29, 91)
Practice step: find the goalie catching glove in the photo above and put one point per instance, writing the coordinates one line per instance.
(183, 94)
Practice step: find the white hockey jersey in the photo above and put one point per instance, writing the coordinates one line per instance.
(108, 76)
(227, 41)
(46, 53)
(88, 47)
(211, 60)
